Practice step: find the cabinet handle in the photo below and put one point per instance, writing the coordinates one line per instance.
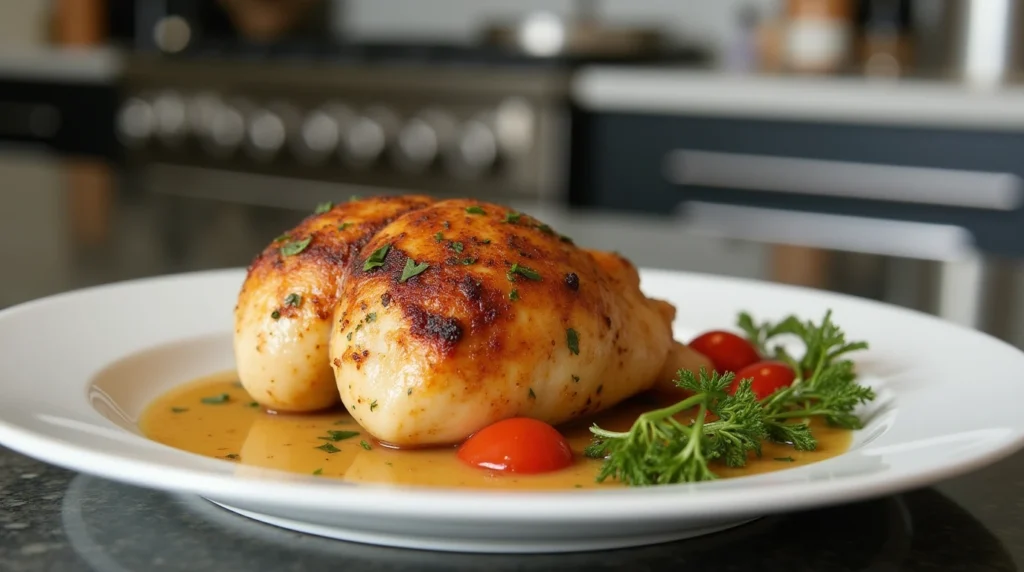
(895, 183)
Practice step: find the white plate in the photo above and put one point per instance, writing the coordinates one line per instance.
(79, 368)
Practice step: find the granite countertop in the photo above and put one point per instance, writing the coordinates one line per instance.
(55, 520)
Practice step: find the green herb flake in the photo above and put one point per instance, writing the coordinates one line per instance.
(343, 422)
(253, 404)
(216, 399)
(785, 459)
(565, 239)
(296, 246)
(513, 295)
(328, 448)
(376, 258)
(412, 269)
(513, 217)
(365, 445)
(323, 207)
(348, 336)
(408, 391)
(575, 379)
(283, 237)
(532, 394)
(336, 436)
(438, 237)
(577, 486)
(456, 246)
(485, 241)
(373, 405)
(293, 299)
(523, 271)
(318, 472)
(276, 314)
(545, 229)
(475, 210)
(231, 456)
(344, 225)
(179, 409)
(572, 339)
(468, 260)
(371, 317)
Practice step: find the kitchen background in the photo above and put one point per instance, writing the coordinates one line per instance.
(872, 147)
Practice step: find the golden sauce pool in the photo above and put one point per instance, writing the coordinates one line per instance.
(215, 417)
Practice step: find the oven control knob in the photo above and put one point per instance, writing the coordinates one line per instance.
(268, 130)
(421, 140)
(320, 133)
(226, 131)
(366, 138)
(474, 150)
(135, 122)
(170, 117)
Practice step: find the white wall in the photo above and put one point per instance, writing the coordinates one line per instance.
(709, 22)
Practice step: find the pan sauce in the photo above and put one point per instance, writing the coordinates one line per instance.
(236, 430)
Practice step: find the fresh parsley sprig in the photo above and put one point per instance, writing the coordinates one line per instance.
(661, 449)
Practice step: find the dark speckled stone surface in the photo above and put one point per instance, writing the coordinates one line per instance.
(52, 520)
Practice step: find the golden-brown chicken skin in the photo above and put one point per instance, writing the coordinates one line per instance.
(464, 313)
(282, 319)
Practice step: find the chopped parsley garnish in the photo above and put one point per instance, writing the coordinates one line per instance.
(371, 317)
(575, 379)
(323, 207)
(328, 448)
(344, 225)
(179, 409)
(468, 260)
(293, 299)
(545, 229)
(408, 391)
(565, 239)
(253, 404)
(318, 472)
(296, 246)
(572, 339)
(438, 237)
(373, 405)
(532, 394)
(376, 258)
(412, 269)
(348, 336)
(785, 459)
(513, 217)
(514, 294)
(336, 436)
(365, 445)
(456, 246)
(283, 237)
(216, 399)
(522, 271)
(231, 456)
(276, 314)
(475, 210)
(485, 241)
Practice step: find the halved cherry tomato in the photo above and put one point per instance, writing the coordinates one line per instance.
(517, 445)
(726, 350)
(768, 377)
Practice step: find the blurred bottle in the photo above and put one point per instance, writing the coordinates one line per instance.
(818, 36)
(885, 44)
(743, 54)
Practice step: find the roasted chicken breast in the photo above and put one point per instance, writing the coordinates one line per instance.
(463, 313)
(282, 319)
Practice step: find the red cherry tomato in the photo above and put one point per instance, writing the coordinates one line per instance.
(517, 445)
(768, 377)
(726, 350)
